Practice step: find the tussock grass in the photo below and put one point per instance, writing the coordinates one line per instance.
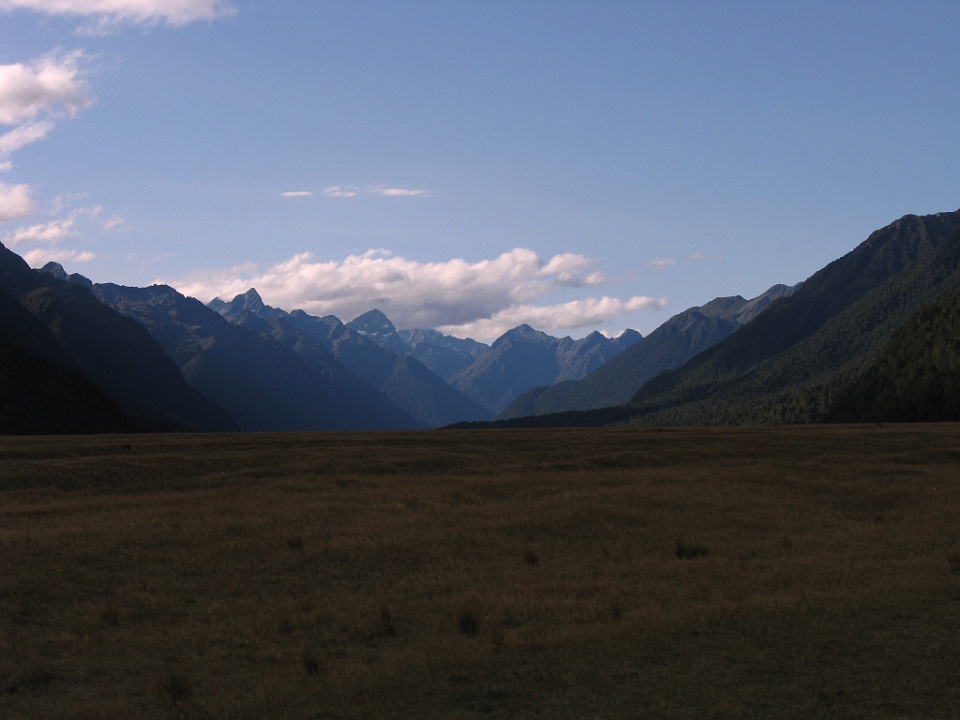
(483, 574)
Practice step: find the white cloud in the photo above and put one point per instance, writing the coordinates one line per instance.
(50, 232)
(146, 12)
(50, 85)
(475, 296)
(662, 263)
(349, 191)
(296, 193)
(341, 191)
(78, 223)
(588, 312)
(396, 192)
(15, 202)
(24, 135)
(697, 255)
(40, 257)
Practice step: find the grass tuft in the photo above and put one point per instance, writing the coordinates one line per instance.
(311, 665)
(690, 552)
(468, 623)
(33, 681)
(175, 688)
(386, 623)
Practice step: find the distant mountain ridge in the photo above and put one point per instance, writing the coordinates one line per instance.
(405, 381)
(263, 384)
(670, 345)
(873, 336)
(523, 358)
(443, 354)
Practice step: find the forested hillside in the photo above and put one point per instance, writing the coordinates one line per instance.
(916, 376)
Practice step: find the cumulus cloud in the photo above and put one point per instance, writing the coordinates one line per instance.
(145, 12)
(32, 95)
(15, 202)
(474, 297)
(51, 85)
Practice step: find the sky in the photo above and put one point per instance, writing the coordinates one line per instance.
(471, 165)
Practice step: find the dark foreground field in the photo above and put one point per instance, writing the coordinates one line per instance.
(808, 572)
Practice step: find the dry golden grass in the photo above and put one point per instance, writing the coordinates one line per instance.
(803, 572)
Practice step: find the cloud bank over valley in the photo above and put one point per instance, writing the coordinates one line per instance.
(480, 299)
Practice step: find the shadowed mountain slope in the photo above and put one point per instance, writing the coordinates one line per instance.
(916, 375)
(669, 346)
(523, 358)
(793, 362)
(264, 385)
(405, 381)
(41, 392)
(443, 354)
(113, 351)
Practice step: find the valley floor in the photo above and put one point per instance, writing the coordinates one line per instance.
(774, 572)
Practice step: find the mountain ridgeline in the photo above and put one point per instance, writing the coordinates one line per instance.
(378, 361)
(90, 368)
(669, 346)
(825, 351)
(872, 337)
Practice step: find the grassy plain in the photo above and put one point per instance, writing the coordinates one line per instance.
(787, 572)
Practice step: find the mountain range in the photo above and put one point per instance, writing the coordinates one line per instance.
(397, 375)
(59, 333)
(670, 345)
(822, 353)
(870, 337)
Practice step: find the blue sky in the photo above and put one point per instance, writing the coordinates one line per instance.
(471, 165)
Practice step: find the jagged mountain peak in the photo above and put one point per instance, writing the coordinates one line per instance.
(55, 269)
(58, 271)
(378, 327)
(249, 302)
(372, 321)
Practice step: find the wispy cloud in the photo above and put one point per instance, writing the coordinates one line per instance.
(17, 138)
(108, 13)
(296, 194)
(41, 256)
(78, 223)
(463, 297)
(349, 191)
(396, 192)
(341, 191)
(662, 263)
(50, 232)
